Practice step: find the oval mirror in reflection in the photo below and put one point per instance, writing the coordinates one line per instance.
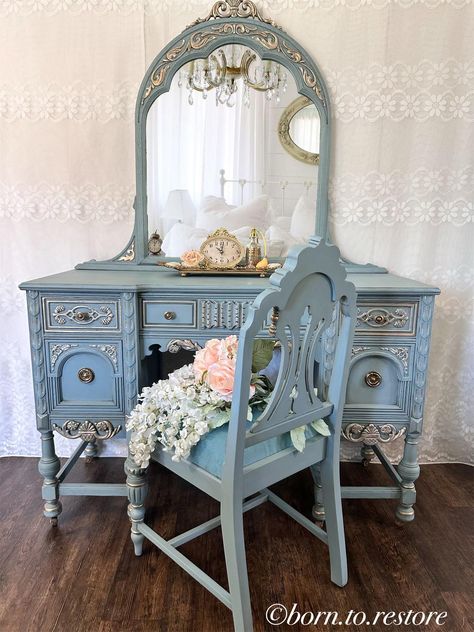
(299, 130)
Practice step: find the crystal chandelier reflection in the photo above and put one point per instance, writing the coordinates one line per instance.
(225, 77)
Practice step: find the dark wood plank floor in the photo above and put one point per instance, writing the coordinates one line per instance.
(84, 576)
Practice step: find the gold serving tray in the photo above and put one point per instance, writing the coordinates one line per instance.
(239, 271)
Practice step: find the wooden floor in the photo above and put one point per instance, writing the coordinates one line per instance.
(84, 576)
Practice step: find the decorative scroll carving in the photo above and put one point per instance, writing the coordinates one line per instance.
(130, 349)
(57, 350)
(371, 434)
(83, 315)
(234, 9)
(379, 317)
(38, 359)
(176, 345)
(109, 350)
(402, 353)
(223, 314)
(87, 430)
(212, 32)
(129, 254)
(356, 350)
(421, 355)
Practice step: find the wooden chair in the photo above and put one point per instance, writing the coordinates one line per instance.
(236, 463)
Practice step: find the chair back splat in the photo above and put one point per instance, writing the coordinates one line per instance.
(299, 307)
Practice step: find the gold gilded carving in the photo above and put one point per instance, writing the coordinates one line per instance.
(234, 9)
(371, 434)
(130, 254)
(87, 430)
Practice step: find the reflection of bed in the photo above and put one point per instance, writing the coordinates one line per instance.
(282, 208)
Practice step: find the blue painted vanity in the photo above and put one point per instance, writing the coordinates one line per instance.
(98, 332)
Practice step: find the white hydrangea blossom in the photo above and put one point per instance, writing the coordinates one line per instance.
(175, 412)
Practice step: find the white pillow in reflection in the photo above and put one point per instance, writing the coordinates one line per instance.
(302, 220)
(182, 237)
(278, 238)
(216, 213)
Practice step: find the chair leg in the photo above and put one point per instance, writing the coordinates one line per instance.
(234, 549)
(136, 490)
(334, 521)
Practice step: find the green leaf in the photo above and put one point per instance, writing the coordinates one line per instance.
(218, 418)
(298, 438)
(262, 354)
(321, 426)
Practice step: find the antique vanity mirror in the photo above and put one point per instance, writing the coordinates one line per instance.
(208, 117)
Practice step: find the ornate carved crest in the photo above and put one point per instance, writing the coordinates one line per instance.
(234, 9)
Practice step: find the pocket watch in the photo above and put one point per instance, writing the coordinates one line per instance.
(154, 244)
(222, 250)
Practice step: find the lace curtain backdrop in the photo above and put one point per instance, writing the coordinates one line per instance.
(187, 145)
(401, 76)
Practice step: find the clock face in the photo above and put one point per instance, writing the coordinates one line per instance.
(222, 251)
(154, 244)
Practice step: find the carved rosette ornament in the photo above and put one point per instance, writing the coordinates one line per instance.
(176, 345)
(87, 430)
(262, 31)
(371, 434)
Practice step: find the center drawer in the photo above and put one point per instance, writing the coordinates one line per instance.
(162, 313)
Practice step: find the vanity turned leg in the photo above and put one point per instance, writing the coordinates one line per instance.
(318, 511)
(409, 471)
(136, 490)
(367, 453)
(91, 451)
(48, 466)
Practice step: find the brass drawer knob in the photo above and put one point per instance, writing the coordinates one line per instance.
(82, 316)
(86, 375)
(169, 315)
(373, 379)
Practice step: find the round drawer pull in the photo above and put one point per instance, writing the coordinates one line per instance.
(86, 375)
(82, 316)
(373, 379)
(169, 315)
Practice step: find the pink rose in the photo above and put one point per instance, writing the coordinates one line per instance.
(191, 258)
(220, 377)
(229, 347)
(207, 356)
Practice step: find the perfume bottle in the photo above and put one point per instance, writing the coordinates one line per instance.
(253, 251)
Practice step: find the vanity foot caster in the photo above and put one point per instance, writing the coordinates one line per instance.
(54, 522)
(90, 459)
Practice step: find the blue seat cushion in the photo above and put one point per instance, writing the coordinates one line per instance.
(209, 453)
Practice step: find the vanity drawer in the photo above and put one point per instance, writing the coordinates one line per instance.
(379, 380)
(85, 376)
(161, 313)
(79, 314)
(385, 318)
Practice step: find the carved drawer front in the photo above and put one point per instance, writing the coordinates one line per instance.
(377, 318)
(379, 382)
(85, 377)
(225, 313)
(78, 314)
(162, 313)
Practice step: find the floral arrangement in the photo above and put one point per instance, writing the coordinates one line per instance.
(192, 258)
(196, 399)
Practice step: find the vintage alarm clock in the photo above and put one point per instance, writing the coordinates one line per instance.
(154, 244)
(222, 250)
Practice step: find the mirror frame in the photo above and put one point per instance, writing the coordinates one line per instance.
(228, 22)
(288, 144)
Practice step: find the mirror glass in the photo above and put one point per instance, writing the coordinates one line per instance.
(214, 158)
(304, 129)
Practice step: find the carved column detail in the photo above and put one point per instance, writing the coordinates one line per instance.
(38, 360)
(408, 468)
(136, 491)
(227, 314)
(130, 349)
(329, 348)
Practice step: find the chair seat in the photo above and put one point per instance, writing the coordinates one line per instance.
(209, 453)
